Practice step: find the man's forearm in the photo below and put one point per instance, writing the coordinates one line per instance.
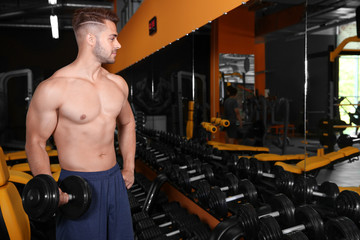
(127, 145)
(38, 159)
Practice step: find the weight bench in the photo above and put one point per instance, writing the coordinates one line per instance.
(237, 148)
(354, 189)
(18, 172)
(270, 157)
(22, 154)
(17, 224)
(24, 167)
(318, 162)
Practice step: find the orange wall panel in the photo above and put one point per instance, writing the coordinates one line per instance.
(234, 33)
(174, 20)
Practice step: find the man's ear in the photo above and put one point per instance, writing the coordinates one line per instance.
(90, 38)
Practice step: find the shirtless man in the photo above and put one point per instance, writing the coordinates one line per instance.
(80, 105)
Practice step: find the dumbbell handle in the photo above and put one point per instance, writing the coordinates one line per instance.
(165, 224)
(293, 229)
(225, 188)
(71, 196)
(135, 190)
(185, 167)
(172, 233)
(215, 157)
(159, 216)
(319, 194)
(139, 194)
(273, 214)
(269, 175)
(192, 179)
(235, 197)
(162, 159)
(159, 154)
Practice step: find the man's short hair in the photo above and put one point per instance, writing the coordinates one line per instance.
(92, 15)
(232, 91)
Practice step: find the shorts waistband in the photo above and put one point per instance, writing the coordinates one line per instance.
(92, 175)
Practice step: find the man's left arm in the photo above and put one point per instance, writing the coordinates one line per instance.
(127, 142)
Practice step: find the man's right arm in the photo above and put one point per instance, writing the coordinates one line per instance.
(41, 122)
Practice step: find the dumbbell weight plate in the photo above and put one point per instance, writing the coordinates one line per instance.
(223, 227)
(78, 187)
(248, 218)
(40, 197)
(304, 188)
(331, 190)
(344, 140)
(255, 169)
(232, 182)
(217, 202)
(249, 191)
(231, 162)
(203, 191)
(269, 229)
(243, 167)
(284, 180)
(348, 204)
(309, 217)
(285, 207)
(342, 228)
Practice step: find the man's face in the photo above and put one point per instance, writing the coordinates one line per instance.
(107, 43)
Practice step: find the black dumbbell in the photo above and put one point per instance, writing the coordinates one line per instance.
(179, 226)
(166, 208)
(256, 170)
(344, 140)
(190, 165)
(341, 228)
(307, 219)
(282, 209)
(306, 190)
(218, 201)
(155, 161)
(41, 197)
(170, 218)
(348, 204)
(184, 180)
(231, 185)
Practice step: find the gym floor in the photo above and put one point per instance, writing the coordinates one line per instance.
(344, 174)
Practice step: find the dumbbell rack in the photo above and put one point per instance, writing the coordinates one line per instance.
(174, 195)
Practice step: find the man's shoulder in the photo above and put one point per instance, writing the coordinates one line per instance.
(113, 76)
(119, 80)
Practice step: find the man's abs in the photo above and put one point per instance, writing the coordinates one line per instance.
(88, 147)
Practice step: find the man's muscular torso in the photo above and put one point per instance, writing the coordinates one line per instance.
(86, 119)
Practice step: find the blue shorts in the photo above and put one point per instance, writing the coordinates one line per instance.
(108, 216)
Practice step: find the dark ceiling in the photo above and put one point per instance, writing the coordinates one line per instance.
(35, 13)
(322, 15)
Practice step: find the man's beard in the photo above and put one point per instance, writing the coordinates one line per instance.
(101, 54)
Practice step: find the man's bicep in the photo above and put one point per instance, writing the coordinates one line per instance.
(126, 115)
(41, 119)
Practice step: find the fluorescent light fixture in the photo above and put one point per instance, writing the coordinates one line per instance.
(54, 26)
(52, 2)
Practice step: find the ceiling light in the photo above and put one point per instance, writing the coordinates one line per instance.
(54, 26)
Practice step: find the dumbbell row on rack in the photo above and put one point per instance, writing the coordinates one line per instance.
(173, 221)
(317, 193)
(255, 170)
(310, 222)
(246, 220)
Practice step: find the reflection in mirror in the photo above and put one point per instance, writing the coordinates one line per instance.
(236, 70)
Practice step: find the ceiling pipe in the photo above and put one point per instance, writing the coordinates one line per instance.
(22, 25)
(42, 7)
